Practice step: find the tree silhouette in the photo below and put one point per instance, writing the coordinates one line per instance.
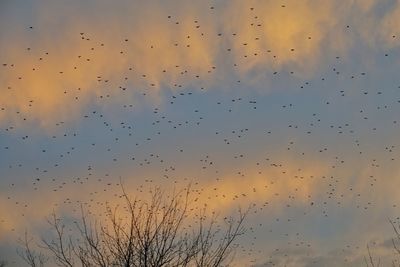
(163, 231)
(370, 261)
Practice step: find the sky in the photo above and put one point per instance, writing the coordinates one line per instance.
(288, 106)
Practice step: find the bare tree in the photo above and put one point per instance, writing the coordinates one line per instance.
(163, 231)
(395, 242)
(370, 260)
(31, 257)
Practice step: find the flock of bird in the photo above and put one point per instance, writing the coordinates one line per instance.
(308, 154)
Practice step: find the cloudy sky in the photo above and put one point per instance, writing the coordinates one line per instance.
(290, 106)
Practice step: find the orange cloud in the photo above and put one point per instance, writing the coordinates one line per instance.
(53, 71)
